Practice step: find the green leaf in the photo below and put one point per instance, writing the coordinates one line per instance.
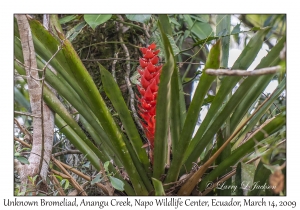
(96, 20)
(67, 184)
(200, 29)
(208, 100)
(137, 153)
(22, 159)
(202, 18)
(116, 183)
(159, 189)
(261, 178)
(257, 86)
(173, 45)
(177, 106)
(205, 82)
(243, 62)
(248, 173)
(135, 78)
(20, 99)
(77, 141)
(271, 127)
(67, 19)
(58, 177)
(93, 98)
(238, 180)
(139, 18)
(106, 164)
(163, 107)
(113, 92)
(160, 44)
(223, 28)
(255, 28)
(224, 25)
(53, 102)
(73, 32)
(236, 29)
(96, 179)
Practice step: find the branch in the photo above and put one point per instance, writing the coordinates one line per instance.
(34, 90)
(131, 93)
(109, 187)
(66, 152)
(28, 114)
(257, 72)
(113, 67)
(146, 30)
(22, 142)
(72, 180)
(43, 126)
(28, 135)
(88, 178)
(57, 184)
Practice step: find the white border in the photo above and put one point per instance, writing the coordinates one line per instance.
(151, 6)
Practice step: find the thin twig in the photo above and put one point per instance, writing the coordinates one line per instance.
(66, 152)
(146, 30)
(256, 72)
(22, 142)
(109, 187)
(131, 93)
(111, 42)
(113, 67)
(27, 114)
(101, 186)
(25, 131)
(62, 175)
(23, 65)
(72, 180)
(56, 184)
(75, 192)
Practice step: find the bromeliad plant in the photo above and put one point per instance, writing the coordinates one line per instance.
(230, 138)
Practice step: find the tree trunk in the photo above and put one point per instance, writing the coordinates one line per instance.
(43, 123)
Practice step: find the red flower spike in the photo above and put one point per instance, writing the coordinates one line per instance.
(152, 111)
(141, 72)
(157, 68)
(141, 90)
(144, 83)
(152, 46)
(151, 68)
(156, 52)
(153, 86)
(148, 94)
(143, 63)
(154, 60)
(149, 54)
(143, 50)
(148, 88)
(157, 78)
(146, 106)
(147, 74)
(153, 103)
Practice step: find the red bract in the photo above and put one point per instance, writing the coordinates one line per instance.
(148, 88)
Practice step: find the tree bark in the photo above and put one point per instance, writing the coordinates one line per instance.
(43, 125)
